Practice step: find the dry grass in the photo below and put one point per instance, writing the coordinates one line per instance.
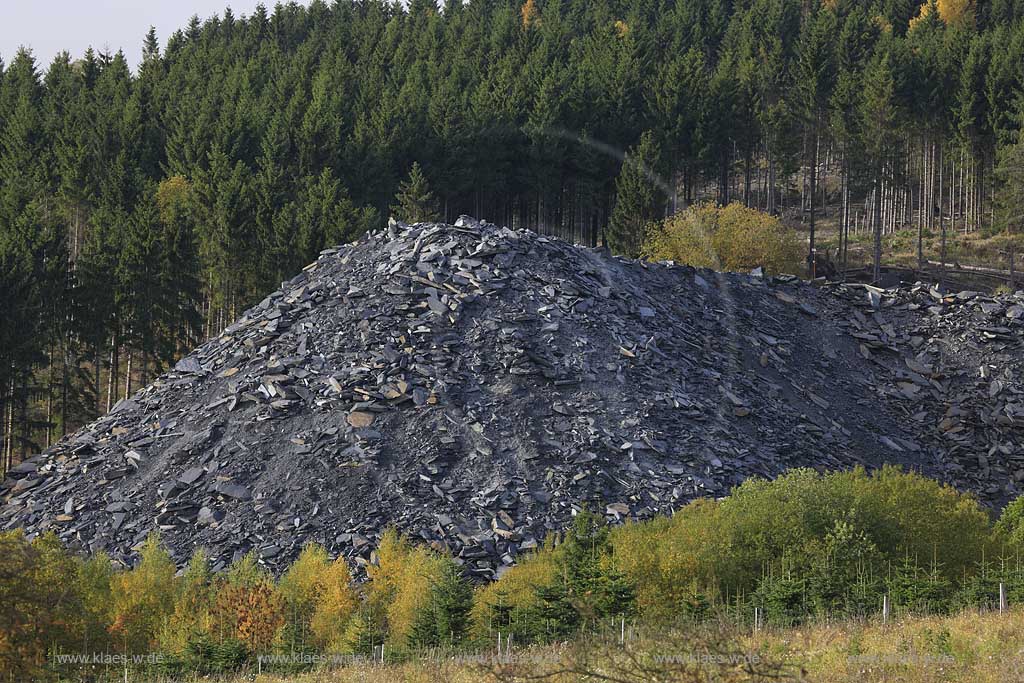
(417, 672)
(978, 248)
(968, 648)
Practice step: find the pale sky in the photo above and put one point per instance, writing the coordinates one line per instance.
(49, 26)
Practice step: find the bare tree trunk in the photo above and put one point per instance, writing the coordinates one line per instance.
(963, 193)
(128, 375)
(49, 399)
(968, 199)
(98, 375)
(112, 378)
(813, 188)
(942, 254)
(762, 178)
(921, 246)
(803, 181)
(942, 177)
(746, 178)
(877, 269)
(923, 194)
(5, 425)
(928, 206)
(846, 213)
(24, 429)
(992, 203)
(9, 424)
(144, 375)
(64, 381)
(952, 192)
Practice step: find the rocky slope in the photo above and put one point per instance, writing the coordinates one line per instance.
(473, 385)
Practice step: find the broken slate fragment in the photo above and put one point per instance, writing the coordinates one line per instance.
(188, 365)
(191, 475)
(234, 491)
(360, 420)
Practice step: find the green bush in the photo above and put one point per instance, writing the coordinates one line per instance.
(842, 578)
(783, 597)
(206, 655)
(1011, 522)
(510, 605)
(835, 535)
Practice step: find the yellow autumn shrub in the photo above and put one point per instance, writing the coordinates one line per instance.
(41, 606)
(718, 549)
(671, 560)
(301, 585)
(729, 238)
(952, 12)
(95, 576)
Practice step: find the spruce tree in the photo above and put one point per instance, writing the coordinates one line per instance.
(414, 202)
(878, 117)
(635, 198)
(452, 600)
(443, 619)
(1009, 174)
(815, 82)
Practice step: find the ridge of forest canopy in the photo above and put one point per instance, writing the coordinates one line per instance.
(142, 211)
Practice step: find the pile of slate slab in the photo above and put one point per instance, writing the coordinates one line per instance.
(475, 386)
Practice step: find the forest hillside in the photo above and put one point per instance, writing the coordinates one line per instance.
(143, 207)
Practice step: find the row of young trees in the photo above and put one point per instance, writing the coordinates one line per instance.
(804, 546)
(142, 210)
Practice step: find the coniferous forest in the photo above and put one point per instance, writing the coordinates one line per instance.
(142, 207)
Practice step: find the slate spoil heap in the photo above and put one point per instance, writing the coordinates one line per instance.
(473, 385)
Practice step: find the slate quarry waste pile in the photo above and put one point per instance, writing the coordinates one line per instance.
(472, 385)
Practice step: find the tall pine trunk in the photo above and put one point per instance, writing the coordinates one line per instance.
(876, 273)
(811, 265)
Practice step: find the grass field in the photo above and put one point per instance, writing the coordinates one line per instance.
(969, 648)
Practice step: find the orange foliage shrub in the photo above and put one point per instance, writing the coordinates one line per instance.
(251, 614)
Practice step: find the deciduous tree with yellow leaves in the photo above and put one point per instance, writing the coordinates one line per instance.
(319, 599)
(143, 599)
(952, 12)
